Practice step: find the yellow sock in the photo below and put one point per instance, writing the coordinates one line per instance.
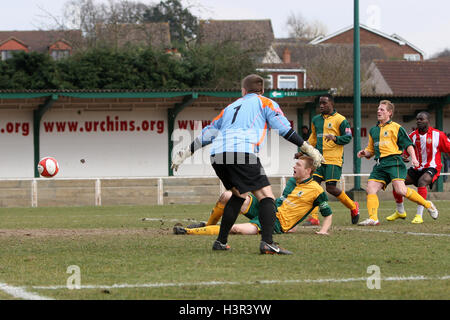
(346, 201)
(372, 206)
(314, 214)
(208, 230)
(216, 214)
(414, 196)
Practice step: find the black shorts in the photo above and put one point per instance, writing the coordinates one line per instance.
(416, 174)
(240, 170)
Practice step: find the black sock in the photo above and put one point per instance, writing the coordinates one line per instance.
(230, 214)
(267, 210)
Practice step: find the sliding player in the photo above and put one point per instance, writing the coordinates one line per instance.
(302, 197)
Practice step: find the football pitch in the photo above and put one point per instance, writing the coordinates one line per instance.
(130, 253)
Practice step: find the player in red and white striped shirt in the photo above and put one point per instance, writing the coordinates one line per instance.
(429, 143)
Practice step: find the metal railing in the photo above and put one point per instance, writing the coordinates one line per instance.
(161, 190)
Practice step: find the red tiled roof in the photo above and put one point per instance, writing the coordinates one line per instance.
(39, 40)
(416, 77)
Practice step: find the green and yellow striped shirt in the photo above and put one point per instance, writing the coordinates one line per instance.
(387, 140)
(337, 125)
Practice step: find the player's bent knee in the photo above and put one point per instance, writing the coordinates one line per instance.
(265, 192)
(400, 190)
(244, 228)
(333, 189)
(224, 197)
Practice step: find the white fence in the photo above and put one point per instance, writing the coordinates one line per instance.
(91, 191)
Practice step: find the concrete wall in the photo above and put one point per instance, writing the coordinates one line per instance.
(134, 143)
(151, 191)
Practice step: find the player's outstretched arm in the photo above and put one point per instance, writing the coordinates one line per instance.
(184, 153)
(179, 157)
(327, 221)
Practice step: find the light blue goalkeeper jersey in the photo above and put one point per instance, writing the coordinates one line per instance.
(242, 126)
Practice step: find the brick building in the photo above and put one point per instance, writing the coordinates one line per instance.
(58, 44)
(394, 46)
(257, 38)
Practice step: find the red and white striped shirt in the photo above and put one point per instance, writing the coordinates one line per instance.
(428, 148)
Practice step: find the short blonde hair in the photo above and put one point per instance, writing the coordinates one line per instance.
(309, 162)
(389, 106)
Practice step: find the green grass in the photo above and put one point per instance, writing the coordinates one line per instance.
(113, 245)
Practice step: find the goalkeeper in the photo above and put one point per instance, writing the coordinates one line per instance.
(236, 135)
(300, 196)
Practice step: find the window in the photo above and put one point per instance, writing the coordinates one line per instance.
(8, 54)
(287, 82)
(60, 54)
(411, 57)
(269, 82)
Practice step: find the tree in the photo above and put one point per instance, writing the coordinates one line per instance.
(33, 70)
(92, 18)
(444, 54)
(183, 25)
(332, 67)
(216, 66)
(300, 28)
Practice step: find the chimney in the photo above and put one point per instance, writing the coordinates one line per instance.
(286, 56)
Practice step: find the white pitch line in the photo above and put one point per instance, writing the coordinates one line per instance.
(168, 220)
(20, 292)
(221, 283)
(398, 232)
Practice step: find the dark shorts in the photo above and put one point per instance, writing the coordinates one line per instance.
(252, 213)
(388, 169)
(329, 172)
(416, 174)
(240, 170)
(253, 208)
(276, 226)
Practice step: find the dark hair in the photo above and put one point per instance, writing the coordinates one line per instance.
(425, 113)
(253, 84)
(329, 96)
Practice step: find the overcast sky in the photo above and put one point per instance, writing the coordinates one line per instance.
(425, 24)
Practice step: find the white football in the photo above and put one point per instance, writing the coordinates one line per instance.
(48, 167)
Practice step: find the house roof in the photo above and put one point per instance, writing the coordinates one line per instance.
(40, 40)
(304, 54)
(152, 33)
(3, 41)
(394, 37)
(416, 77)
(249, 34)
(294, 67)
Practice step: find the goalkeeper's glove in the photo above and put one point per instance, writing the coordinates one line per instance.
(179, 156)
(313, 153)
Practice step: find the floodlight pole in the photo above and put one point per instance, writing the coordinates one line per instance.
(356, 97)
